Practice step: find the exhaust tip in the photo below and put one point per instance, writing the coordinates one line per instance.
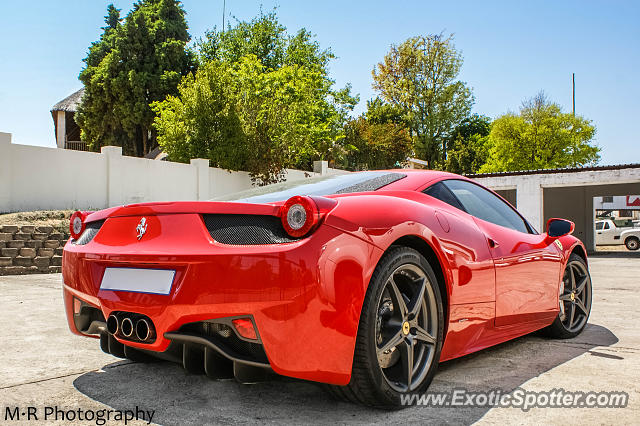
(144, 330)
(112, 324)
(126, 326)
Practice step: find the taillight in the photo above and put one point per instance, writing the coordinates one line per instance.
(300, 214)
(77, 224)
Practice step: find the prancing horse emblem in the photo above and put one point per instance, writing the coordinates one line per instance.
(142, 227)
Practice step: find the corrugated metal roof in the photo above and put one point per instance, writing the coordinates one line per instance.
(554, 171)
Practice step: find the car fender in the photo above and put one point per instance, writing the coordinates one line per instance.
(384, 218)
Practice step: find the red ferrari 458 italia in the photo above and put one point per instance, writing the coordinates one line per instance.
(363, 281)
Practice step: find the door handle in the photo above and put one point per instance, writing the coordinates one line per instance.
(493, 243)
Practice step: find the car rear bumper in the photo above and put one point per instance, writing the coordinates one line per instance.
(305, 297)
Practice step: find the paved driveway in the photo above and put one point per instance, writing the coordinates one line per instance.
(42, 364)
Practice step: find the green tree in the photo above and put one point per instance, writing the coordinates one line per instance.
(378, 139)
(244, 117)
(420, 77)
(540, 137)
(95, 113)
(278, 103)
(468, 155)
(380, 112)
(268, 40)
(469, 145)
(135, 62)
(374, 146)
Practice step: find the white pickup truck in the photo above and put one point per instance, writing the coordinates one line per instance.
(608, 234)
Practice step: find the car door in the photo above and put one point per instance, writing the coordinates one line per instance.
(609, 233)
(600, 237)
(527, 264)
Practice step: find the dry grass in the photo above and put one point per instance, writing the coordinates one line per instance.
(59, 219)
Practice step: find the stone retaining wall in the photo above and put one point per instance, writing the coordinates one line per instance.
(30, 249)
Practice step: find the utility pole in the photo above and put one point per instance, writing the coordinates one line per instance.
(224, 8)
(573, 109)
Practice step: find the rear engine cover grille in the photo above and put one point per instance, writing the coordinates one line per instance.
(90, 231)
(246, 229)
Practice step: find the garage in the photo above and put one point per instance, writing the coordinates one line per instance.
(576, 204)
(567, 193)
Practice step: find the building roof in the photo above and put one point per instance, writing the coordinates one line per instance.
(70, 103)
(555, 171)
(157, 154)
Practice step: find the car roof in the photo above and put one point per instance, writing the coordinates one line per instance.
(417, 179)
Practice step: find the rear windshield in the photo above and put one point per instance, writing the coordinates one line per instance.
(321, 185)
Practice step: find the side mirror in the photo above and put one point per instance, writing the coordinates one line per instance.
(559, 227)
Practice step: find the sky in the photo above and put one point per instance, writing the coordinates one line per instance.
(511, 51)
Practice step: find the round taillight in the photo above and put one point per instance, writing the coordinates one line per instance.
(299, 216)
(77, 225)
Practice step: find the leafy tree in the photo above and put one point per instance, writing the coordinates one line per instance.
(95, 113)
(468, 155)
(380, 112)
(267, 92)
(244, 117)
(540, 137)
(469, 144)
(268, 40)
(201, 121)
(136, 61)
(379, 139)
(372, 146)
(420, 77)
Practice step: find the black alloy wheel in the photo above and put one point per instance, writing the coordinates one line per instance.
(400, 332)
(574, 300)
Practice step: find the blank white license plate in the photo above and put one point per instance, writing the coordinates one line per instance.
(155, 281)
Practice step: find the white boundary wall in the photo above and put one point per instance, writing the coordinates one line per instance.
(39, 178)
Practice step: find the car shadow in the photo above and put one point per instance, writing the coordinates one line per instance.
(180, 398)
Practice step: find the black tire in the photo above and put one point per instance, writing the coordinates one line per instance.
(574, 301)
(376, 379)
(632, 243)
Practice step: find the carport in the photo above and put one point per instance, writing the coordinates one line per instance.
(567, 193)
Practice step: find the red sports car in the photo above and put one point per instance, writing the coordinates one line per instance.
(363, 281)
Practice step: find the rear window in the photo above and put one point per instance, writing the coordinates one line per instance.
(321, 185)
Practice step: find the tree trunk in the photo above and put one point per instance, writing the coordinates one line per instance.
(145, 140)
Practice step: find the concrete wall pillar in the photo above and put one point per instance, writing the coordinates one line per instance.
(115, 190)
(5, 172)
(529, 201)
(61, 128)
(321, 167)
(202, 178)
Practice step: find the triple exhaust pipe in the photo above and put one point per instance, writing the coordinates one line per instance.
(131, 327)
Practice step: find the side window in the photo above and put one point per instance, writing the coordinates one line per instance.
(599, 226)
(443, 194)
(606, 225)
(482, 204)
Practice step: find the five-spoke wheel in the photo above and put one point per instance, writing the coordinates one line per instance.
(400, 331)
(406, 328)
(574, 300)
